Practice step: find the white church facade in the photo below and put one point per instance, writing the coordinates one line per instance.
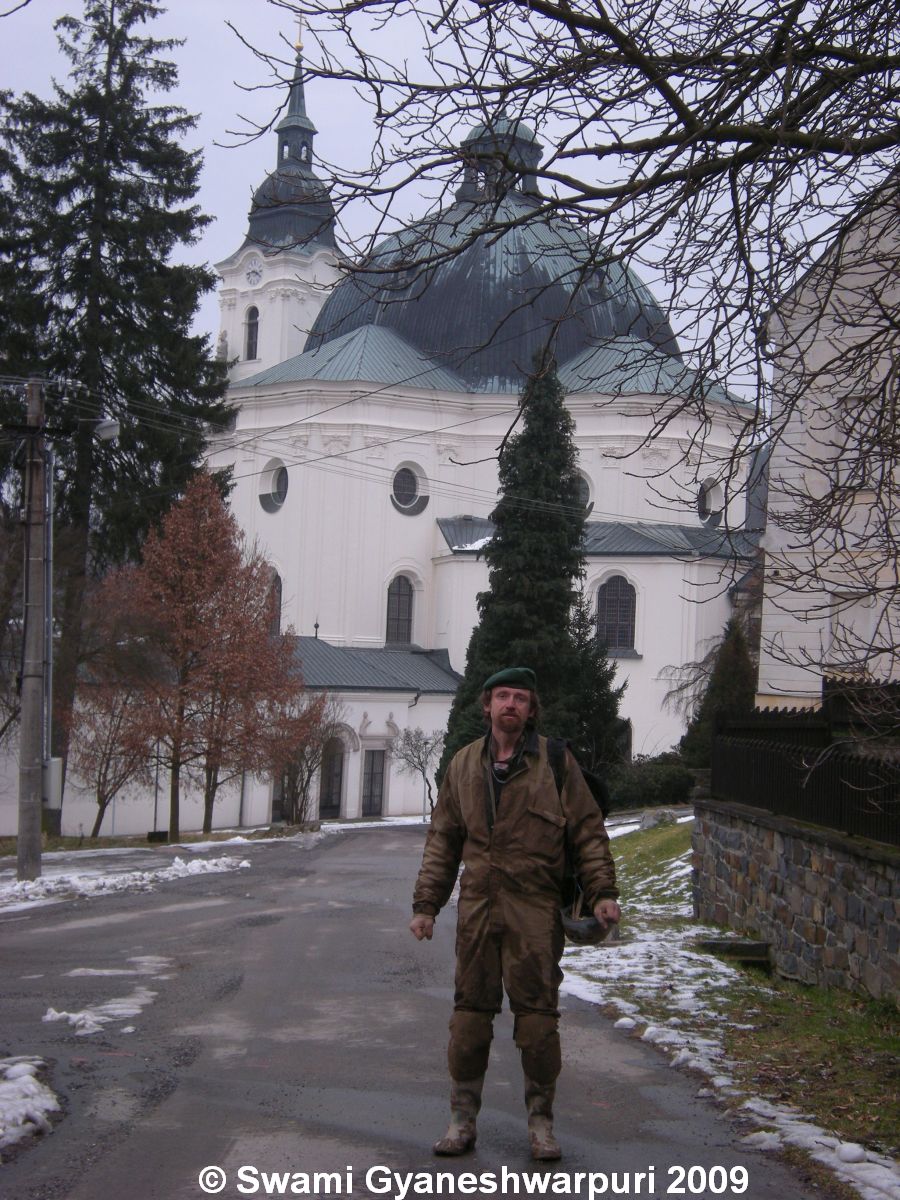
(369, 402)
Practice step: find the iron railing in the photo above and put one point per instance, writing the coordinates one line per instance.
(852, 793)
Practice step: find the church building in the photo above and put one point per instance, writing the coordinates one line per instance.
(369, 401)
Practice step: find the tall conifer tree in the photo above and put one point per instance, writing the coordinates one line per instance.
(536, 562)
(730, 692)
(103, 192)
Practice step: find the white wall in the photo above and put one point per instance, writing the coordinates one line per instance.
(291, 289)
(372, 719)
(834, 349)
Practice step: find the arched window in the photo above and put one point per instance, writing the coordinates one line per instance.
(615, 614)
(331, 780)
(251, 341)
(275, 595)
(399, 612)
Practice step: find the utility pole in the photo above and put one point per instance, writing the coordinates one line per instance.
(31, 737)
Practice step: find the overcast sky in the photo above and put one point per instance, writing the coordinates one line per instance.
(213, 64)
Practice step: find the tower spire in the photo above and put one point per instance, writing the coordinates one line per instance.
(295, 130)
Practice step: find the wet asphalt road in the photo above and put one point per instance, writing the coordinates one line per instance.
(298, 1027)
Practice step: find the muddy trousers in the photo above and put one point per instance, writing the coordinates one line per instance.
(514, 947)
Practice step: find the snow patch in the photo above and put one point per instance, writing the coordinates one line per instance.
(24, 1101)
(66, 886)
(874, 1176)
(92, 1020)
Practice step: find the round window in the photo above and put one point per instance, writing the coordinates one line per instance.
(407, 493)
(273, 487)
(406, 487)
(710, 501)
(584, 491)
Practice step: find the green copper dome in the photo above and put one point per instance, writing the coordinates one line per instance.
(483, 285)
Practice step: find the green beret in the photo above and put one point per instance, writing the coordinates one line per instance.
(520, 677)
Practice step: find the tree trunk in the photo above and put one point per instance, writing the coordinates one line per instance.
(211, 786)
(174, 785)
(102, 806)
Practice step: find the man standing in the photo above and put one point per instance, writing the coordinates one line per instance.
(500, 813)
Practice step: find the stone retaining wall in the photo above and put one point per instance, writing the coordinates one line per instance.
(828, 905)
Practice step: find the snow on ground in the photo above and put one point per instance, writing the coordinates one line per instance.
(656, 958)
(65, 885)
(121, 1008)
(25, 1102)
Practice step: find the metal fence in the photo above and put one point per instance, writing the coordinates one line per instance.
(850, 793)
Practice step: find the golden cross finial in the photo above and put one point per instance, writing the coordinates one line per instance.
(299, 45)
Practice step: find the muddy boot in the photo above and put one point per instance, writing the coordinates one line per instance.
(465, 1101)
(539, 1103)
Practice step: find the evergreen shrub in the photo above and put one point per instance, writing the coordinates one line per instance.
(647, 782)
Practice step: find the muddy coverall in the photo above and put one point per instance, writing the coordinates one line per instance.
(509, 932)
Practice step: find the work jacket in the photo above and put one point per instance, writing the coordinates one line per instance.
(524, 853)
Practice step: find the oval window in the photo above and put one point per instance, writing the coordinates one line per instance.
(273, 487)
(407, 494)
(710, 502)
(584, 491)
(406, 487)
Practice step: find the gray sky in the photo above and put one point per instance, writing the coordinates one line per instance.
(212, 63)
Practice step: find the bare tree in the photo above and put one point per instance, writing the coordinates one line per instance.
(297, 747)
(105, 751)
(733, 153)
(418, 753)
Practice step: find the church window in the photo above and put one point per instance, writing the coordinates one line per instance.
(584, 492)
(331, 779)
(275, 594)
(408, 494)
(399, 612)
(251, 339)
(406, 487)
(373, 783)
(615, 614)
(273, 486)
(710, 502)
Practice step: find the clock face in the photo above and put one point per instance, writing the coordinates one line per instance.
(253, 274)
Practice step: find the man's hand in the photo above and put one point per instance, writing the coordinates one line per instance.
(421, 926)
(606, 913)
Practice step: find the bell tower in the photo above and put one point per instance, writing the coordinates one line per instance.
(274, 285)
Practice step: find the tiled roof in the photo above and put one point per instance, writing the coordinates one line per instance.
(614, 538)
(393, 669)
(369, 355)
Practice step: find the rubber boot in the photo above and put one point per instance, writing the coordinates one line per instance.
(539, 1103)
(465, 1101)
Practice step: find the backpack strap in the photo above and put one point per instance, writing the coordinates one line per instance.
(556, 756)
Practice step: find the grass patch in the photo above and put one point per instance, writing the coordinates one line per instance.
(644, 862)
(827, 1052)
